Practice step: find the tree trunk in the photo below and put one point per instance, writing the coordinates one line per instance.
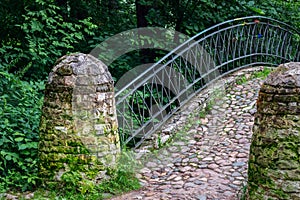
(141, 13)
(146, 55)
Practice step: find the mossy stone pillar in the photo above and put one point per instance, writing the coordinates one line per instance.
(78, 130)
(274, 163)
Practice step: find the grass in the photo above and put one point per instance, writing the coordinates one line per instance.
(242, 193)
(122, 179)
(258, 74)
(241, 80)
(194, 118)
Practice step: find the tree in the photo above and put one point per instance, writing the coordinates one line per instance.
(42, 36)
(286, 11)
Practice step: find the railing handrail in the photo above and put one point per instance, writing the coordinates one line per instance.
(198, 62)
(191, 39)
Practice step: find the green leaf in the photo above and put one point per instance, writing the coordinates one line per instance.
(19, 139)
(196, 27)
(8, 157)
(257, 10)
(23, 146)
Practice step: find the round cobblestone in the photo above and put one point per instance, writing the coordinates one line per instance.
(210, 161)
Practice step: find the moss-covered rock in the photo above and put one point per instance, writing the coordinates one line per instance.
(78, 130)
(274, 162)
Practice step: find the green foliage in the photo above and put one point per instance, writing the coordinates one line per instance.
(258, 74)
(191, 17)
(262, 74)
(46, 36)
(286, 11)
(242, 195)
(241, 80)
(20, 110)
(121, 181)
(70, 180)
(35, 33)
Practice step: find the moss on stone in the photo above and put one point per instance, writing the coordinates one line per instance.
(274, 167)
(69, 141)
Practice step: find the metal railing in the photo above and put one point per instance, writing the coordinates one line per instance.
(151, 98)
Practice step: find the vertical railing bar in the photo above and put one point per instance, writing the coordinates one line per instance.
(257, 40)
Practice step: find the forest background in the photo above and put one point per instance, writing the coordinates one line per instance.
(35, 33)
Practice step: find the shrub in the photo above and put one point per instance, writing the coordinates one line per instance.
(45, 37)
(20, 110)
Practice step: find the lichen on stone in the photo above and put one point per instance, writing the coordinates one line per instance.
(274, 161)
(69, 129)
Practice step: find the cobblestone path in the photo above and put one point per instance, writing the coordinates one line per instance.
(208, 160)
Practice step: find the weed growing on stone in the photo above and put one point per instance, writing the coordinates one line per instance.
(202, 114)
(262, 74)
(258, 74)
(242, 193)
(241, 80)
(194, 118)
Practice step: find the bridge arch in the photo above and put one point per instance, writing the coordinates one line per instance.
(214, 52)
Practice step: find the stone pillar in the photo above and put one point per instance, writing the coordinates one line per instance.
(78, 130)
(274, 163)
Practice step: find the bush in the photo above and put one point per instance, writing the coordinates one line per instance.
(20, 110)
(45, 37)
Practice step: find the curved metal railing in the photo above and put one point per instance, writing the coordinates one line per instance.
(160, 89)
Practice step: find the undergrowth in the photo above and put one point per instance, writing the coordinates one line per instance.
(20, 110)
(121, 179)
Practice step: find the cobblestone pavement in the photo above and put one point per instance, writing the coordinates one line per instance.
(208, 160)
